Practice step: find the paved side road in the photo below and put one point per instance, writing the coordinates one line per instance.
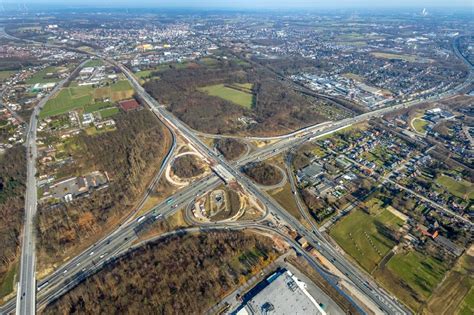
(26, 299)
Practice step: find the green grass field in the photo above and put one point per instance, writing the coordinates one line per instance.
(41, 76)
(243, 63)
(5, 74)
(229, 94)
(247, 86)
(108, 112)
(86, 48)
(96, 106)
(467, 305)
(412, 277)
(356, 43)
(456, 292)
(319, 151)
(462, 189)
(208, 62)
(79, 91)
(6, 286)
(116, 92)
(286, 199)
(335, 137)
(419, 271)
(354, 77)
(363, 227)
(145, 74)
(122, 85)
(87, 98)
(374, 205)
(64, 102)
(408, 58)
(419, 125)
(352, 36)
(94, 63)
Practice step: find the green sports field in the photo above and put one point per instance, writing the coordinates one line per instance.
(87, 98)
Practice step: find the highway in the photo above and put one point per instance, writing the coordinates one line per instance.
(459, 54)
(121, 238)
(381, 298)
(25, 300)
(27, 280)
(262, 138)
(376, 294)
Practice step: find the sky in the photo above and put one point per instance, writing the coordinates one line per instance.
(249, 4)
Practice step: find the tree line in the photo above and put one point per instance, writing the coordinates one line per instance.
(230, 148)
(12, 202)
(184, 274)
(263, 173)
(130, 155)
(278, 109)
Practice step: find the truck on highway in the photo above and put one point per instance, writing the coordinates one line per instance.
(140, 219)
(42, 286)
(169, 201)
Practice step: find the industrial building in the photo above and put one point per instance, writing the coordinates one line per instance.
(280, 293)
(310, 173)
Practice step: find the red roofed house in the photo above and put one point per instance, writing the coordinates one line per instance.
(129, 105)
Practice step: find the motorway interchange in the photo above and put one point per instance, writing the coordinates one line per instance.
(119, 241)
